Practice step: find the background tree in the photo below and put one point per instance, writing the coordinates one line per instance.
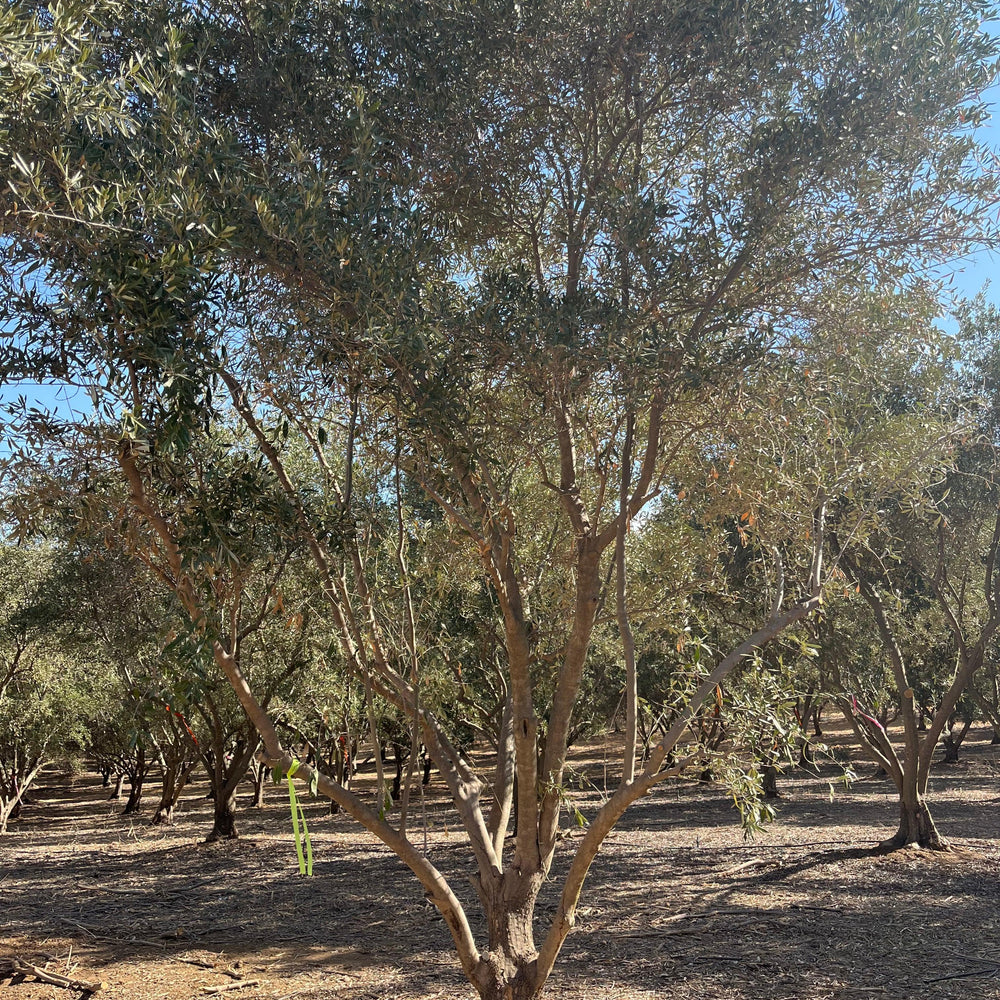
(930, 568)
(46, 695)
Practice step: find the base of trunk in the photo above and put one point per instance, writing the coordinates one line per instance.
(164, 816)
(510, 970)
(507, 980)
(224, 827)
(916, 829)
(508, 991)
(134, 803)
(771, 782)
(224, 833)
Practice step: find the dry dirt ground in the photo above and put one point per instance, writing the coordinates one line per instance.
(678, 905)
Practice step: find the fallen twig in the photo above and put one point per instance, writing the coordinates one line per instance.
(965, 975)
(971, 958)
(227, 987)
(82, 927)
(698, 914)
(195, 961)
(21, 968)
(758, 863)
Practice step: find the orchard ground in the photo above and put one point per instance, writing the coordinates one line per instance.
(677, 905)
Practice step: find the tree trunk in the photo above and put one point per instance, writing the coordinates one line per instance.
(224, 824)
(116, 795)
(17, 796)
(12, 792)
(10, 808)
(136, 780)
(134, 800)
(10, 802)
(397, 781)
(771, 782)
(175, 777)
(346, 760)
(953, 740)
(505, 988)
(209, 757)
(339, 764)
(510, 971)
(259, 780)
(164, 815)
(916, 827)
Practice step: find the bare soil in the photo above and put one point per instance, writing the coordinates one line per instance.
(678, 904)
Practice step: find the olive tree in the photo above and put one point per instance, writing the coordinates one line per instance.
(44, 696)
(556, 252)
(933, 558)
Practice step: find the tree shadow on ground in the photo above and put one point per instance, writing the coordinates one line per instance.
(676, 904)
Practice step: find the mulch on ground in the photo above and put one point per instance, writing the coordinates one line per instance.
(678, 904)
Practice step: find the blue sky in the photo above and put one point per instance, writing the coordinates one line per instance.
(971, 275)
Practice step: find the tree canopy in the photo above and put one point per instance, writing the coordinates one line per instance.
(518, 299)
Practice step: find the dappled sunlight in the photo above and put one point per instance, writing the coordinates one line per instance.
(676, 895)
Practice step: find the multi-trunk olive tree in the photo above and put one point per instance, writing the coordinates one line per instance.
(40, 721)
(901, 578)
(932, 562)
(30, 623)
(117, 619)
(557, 252)
(48, 691)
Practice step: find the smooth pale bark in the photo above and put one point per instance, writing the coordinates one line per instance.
(503, 780)
(621, 610)
(410, 639)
